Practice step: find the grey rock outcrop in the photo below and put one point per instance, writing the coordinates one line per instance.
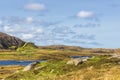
(75, 61)
(7, 41)
(114, 56)
(118, 62)
(30, 66)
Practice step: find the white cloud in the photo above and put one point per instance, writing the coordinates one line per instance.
(29, 19)
(34, 6)
(27, 36)
(15, 28)
(39, 30)
(22, 32)
(85, 14)
(8, 28)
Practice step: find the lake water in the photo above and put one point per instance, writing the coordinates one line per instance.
(26, 62)
(17, 62)
(81, 57)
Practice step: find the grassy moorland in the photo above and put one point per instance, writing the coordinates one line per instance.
(97, 68)
(100, 67)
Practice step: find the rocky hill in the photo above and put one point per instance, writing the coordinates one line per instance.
(9, 42)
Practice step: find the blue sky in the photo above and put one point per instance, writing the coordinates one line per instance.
(86, 23)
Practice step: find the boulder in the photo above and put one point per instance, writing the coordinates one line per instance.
(115, 56)
(30, 66)
(84, 59)
(118, 62)
(75, 61)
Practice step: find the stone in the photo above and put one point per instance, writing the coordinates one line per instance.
(41, 67)
(75, 61)
(30, 66)
(115, 56)
(84, 60)
(52, 71)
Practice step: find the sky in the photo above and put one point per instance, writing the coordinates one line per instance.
(85, 23)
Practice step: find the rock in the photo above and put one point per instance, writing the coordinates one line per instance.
(75, 61)
(70, 62)
(118, 62)
(52, 71)
(84, 59)
(10, 42)
(41, 67)
(115, 56)
(30, 66)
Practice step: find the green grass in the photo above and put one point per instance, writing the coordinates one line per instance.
(52, 69)
(56, 66)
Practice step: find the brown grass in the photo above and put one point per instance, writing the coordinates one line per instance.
(93, 74)
(7, 70)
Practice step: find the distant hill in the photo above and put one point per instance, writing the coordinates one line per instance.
(62, 47)
(10, 42)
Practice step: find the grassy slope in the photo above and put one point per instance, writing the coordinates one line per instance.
(98, 68)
